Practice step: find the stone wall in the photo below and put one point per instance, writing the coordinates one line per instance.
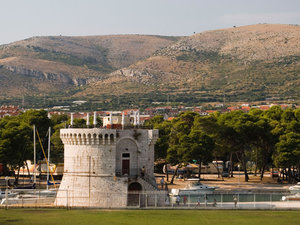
(92, 159)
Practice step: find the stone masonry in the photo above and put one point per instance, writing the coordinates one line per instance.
(103, 166)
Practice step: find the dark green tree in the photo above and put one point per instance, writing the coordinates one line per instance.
(288, 152)
(15, 143)
(198, 146)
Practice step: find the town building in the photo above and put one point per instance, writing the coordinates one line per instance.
(9, 110)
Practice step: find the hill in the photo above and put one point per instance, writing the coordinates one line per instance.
(249, 63)
(52, 64)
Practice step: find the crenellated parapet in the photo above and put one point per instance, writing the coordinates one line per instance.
(86, 136)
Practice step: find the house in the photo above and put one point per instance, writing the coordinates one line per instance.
(9, 110)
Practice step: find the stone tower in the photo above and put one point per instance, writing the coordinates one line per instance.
(103, 166)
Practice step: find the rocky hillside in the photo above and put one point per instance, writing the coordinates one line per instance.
(249, 63)
(47, 64)
(242, 63)
(247, 43)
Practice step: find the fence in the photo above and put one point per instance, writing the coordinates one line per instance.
(49, 198)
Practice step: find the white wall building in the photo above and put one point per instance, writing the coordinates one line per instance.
(105, 167)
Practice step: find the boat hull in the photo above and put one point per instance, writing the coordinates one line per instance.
(196, 192)
(294, 191)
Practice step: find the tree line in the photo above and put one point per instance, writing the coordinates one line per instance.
(268, 139)
(16, 139)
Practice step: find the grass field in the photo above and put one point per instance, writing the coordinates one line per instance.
(145, 217)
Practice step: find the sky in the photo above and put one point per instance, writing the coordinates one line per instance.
(20, 19)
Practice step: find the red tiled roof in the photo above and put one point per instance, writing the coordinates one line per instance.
(246, 108)
(171, 118)
(9, 110)
(264, 107)
(233, 108)
(211, 111)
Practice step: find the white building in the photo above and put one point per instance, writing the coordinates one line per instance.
(106, 167)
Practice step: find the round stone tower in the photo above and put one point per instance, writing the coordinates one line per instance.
(101, 166)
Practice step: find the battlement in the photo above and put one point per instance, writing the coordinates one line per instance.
(86, 136)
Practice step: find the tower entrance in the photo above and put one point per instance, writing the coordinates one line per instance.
(127, 158)
(134, 197)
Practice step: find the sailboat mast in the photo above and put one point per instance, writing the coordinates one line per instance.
(49, 133)
(34, 156)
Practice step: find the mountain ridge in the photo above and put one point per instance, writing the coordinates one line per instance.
(248, 63)
(74, 61)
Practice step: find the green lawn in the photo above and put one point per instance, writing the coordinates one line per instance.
(145, 217)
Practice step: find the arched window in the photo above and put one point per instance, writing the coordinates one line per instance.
(79, 139)
(112, 138)
(100, 139)
(94, 139)
(106, 138)
(89, 138)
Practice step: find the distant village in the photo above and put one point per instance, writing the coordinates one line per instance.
(168, 112)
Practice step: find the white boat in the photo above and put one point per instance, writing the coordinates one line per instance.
(26, 196)
(295, 189)
(3, 196)
(194, 188)
(9, 195)
(295, 197)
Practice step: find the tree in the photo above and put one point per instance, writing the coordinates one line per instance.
(210, 126)
(287, 148)
(199, 146)
(264, 143)
(58, 119)
(15, 143)
(288, 152)
(80, 123)
(180, 130)
(162, 143)
(154, 121)
(273, 113)
(39, 118)
(57, 147)
(187, 143)
(239, 130)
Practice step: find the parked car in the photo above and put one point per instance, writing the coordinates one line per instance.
(225, 174)
(274, 173)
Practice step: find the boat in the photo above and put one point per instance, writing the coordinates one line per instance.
(295, 197)
(295, 189)
(193, 188)
(9, 195)
(25, 196)
(33, 186)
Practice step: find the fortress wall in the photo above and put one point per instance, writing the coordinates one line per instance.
(92, 159)
(89, 171)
